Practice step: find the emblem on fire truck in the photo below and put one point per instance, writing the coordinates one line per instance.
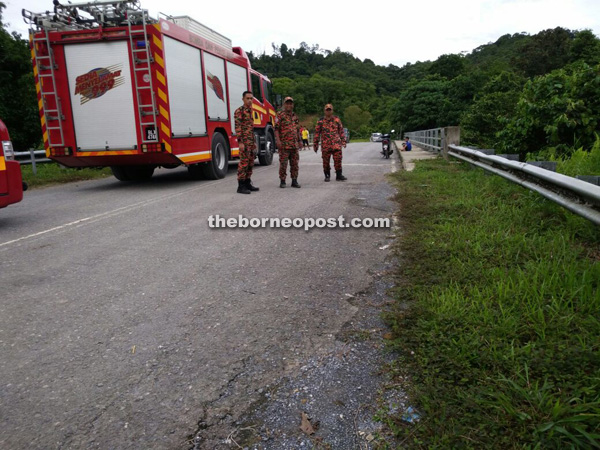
(98, 82)
(215, 85)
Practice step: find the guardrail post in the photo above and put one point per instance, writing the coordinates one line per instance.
(33, 166)
(451, 137)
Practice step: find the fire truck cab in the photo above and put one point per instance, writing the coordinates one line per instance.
(11, 182)
(118, 88)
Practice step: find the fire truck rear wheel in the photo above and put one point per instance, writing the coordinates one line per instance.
(217, 167)
(196, 171)
(267, 158)
(141, 173)
(132, 173)
(120, 172)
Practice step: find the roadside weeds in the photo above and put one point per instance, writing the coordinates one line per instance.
(49, 174)
(497, 316)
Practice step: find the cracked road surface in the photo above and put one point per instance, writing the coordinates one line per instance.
(125, 321)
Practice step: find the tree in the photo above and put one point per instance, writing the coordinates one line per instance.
(422, 105)
(18, 99)
(448, 66)
(354, 118)
(586, 47)
(558, 110)
(545, 52)
(492, 108)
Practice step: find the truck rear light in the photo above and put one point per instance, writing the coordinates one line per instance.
(149, 148)
(61, 151)
(7, 149)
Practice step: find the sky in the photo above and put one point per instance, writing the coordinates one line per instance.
(386, 32)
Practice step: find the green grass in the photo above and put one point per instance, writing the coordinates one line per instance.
(499, 299)
(52, 173)
(359, 140)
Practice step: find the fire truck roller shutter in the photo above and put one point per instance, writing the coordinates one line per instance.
(238, 83)
(186, 92)
(101, 94)
(216, 95)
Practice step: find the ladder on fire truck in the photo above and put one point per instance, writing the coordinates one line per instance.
(142, 65)
(101, 13)
(53, 115)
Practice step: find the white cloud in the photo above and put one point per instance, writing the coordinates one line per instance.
(383, 31)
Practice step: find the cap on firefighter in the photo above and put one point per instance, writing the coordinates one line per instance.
(328, 106)
(288, 99)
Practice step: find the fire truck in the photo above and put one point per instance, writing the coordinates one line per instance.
(117, 88)
(11, 184)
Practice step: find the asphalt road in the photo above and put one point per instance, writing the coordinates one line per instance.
(124, 318)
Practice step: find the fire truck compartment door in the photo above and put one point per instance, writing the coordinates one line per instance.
(100, 87)
(186, 94)
(238, 83)
(216, 94)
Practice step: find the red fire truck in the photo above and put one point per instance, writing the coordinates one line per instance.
(11, 183)
(117, 88)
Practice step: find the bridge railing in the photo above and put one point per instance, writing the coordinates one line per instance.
(578, 196)
(436, 139)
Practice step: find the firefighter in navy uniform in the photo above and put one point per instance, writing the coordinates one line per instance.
(289, 142)
(244, 130)
(330, 132)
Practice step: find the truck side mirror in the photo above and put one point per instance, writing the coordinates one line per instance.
(278, 101)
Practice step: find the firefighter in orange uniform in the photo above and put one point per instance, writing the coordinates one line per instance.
(330, 132)
(289, 139)
(244, 130)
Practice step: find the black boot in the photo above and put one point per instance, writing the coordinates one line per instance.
(327, 175)
(250, 187)
(295, 183)
(282, 184)
(339, 176)
(242, 188)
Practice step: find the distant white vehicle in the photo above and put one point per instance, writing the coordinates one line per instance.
(376, 137)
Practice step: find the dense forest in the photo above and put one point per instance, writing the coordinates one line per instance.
(521, 94)
(18, 100)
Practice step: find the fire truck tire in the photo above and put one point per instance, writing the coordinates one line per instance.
(216, 168)
(120, 173)
(196, 171)
(267, 158)
(140, 173)
(132, 173)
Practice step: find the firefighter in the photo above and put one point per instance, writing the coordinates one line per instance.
(289, 142)
(244, 131)
(330, 132)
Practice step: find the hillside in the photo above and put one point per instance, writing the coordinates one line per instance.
(479, 90)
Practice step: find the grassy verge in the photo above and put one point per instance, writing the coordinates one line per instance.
(52, 173)
(498, 324)
(359, 140)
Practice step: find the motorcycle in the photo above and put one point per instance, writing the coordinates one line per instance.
(386, 145)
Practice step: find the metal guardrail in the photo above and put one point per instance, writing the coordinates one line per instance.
(579, 197)
(436, 139)
(35, 157)
(432, 140)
